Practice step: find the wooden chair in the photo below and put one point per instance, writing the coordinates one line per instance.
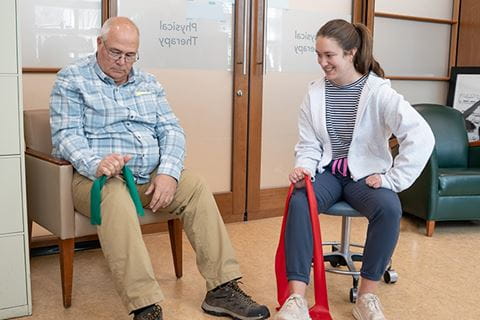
(50, 204)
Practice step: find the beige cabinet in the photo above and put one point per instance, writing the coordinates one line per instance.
(15, 296)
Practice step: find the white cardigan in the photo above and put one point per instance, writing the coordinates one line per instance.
(381, 113)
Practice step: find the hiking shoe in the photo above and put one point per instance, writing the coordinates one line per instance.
(294, 308)
(230, 301)
(151, 313)
(368, 307)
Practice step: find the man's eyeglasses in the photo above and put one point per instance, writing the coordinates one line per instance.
(115, 54)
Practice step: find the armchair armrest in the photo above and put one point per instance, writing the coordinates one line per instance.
(49, 193)
(421, 197)
(43, 156)
(474, 154)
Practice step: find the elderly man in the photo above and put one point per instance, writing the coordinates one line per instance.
(105, 115)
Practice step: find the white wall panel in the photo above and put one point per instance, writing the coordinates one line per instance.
(440, 9)
(422, 91)
(410, 48)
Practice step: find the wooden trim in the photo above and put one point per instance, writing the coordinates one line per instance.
(392, 143)
(469, 37)
(40, 70)
(105, 10)
(369, 14)
(255, 113)
(454, 36)
(240, 96)
(112, 8)
(271, 203)
(46, 157)
(413, 18)
(474, 144)
(418, 78)
(359, 11)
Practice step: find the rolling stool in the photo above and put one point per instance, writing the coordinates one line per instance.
(341, 254)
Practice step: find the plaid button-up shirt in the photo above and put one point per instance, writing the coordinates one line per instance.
(92, 117)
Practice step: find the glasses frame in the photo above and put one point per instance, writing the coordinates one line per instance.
(115, 56)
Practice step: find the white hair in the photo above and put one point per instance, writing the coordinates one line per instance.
(112, 21)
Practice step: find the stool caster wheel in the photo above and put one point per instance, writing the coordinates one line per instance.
(390, 276)
(353, 295)
(334, 264)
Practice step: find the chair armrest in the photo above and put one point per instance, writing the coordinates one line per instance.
(474, 154)
(49, 193)
(46, 157)
(421, 198)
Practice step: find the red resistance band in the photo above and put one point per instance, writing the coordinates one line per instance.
(320, 310)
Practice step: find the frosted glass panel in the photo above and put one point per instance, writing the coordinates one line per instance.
(56, 32)
(291, 28)
(188, 46)
(409, 48)
(290, 65)
(422, 91)
(205, 112)
(440, 9)
(187, 34)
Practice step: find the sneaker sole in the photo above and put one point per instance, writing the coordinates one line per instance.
(356, 314)
(222, 312)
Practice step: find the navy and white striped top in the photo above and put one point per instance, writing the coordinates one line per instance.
(341, 112)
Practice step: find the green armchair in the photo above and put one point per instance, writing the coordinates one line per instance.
(449, 186)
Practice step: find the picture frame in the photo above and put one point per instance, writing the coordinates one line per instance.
(464, 95)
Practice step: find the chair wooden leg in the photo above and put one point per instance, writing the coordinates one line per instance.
(430, 227)
(175, 232)
(66, 269)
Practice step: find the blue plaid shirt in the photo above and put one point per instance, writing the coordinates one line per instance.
(92, 117)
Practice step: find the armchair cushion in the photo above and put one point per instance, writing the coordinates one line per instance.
(458, 182)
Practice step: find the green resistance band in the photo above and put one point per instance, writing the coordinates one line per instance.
(96, 196)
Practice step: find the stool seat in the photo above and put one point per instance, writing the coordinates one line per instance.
(342, 208)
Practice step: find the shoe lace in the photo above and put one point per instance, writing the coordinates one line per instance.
(294, 303)
(154, 314)
(241, 294)
(373, 304)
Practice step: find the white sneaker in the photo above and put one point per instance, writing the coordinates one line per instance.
(294, 308)
(368, 307)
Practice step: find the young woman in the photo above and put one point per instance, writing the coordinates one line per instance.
(345, 122)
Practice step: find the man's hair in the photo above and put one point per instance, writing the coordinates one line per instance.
(112, 21)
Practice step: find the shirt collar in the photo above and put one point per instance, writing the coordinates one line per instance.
(104, 77)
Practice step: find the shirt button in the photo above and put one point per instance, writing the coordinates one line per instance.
(131, 117)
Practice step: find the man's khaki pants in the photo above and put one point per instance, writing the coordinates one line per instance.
(122, 243)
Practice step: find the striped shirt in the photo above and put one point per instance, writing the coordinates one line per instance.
(92, 117)
(341, 112)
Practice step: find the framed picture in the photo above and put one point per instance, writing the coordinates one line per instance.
(464, 95)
